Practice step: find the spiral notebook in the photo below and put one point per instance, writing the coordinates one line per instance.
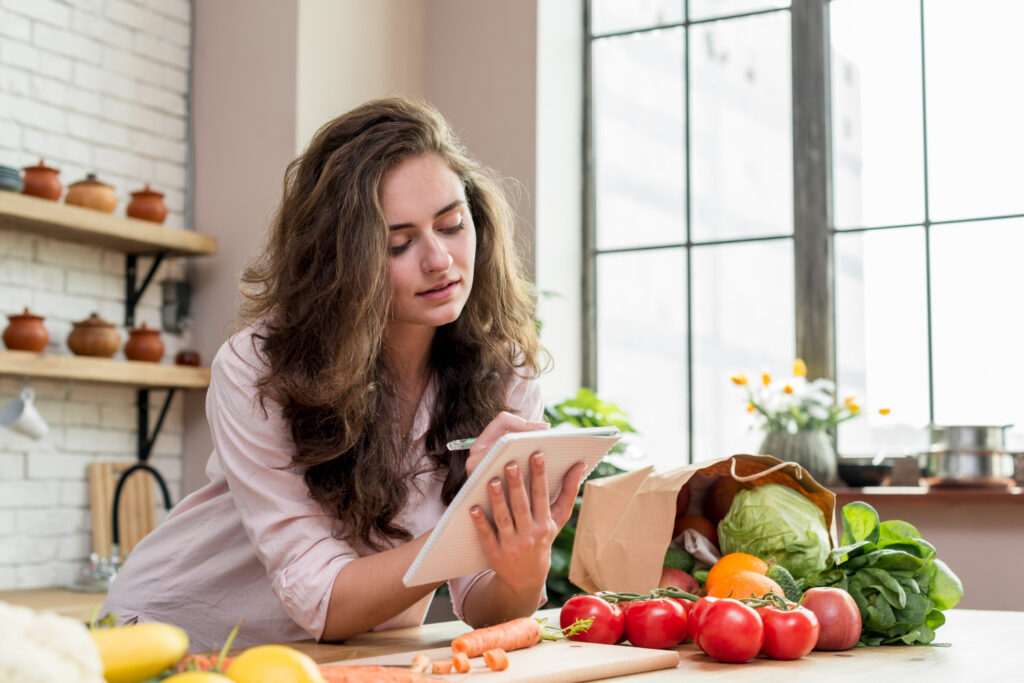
(453, 548)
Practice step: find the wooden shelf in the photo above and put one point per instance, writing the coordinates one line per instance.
(86, 226)
(105, 370)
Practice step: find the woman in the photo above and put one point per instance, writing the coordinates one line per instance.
(385, 316)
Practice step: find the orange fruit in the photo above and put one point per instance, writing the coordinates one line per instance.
(732, 563)
(743, 584)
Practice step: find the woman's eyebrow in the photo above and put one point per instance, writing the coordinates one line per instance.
(441, 212)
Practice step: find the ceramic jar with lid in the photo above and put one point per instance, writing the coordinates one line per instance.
(144, 344)
(42, 181)
(147, 204)
(92, 194)
(25, 332)
(94, 336)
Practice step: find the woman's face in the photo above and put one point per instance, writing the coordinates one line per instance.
(432, 242)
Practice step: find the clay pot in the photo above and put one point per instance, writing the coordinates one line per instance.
(187, 358)
(42, 181)
(144, 344)
(26, 333)
(148, 205)
(94, 336)
(92, 194)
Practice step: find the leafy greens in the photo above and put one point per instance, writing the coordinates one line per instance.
(893, 575)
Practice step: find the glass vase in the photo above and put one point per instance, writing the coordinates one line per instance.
(811, 450)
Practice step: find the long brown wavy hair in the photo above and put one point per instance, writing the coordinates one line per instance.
(319, 298)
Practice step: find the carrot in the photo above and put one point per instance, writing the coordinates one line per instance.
(461, 662)
(441, 667)
(351, 673)
(510, 635)
(496, 659)
(420, 663)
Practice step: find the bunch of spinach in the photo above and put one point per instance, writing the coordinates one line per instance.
(893, 575)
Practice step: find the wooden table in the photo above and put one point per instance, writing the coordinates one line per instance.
(983, 647)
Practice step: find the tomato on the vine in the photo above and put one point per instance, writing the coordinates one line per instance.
(789, 633)
(696, 614)
(729, 631)
(657, 623)
(609, 620)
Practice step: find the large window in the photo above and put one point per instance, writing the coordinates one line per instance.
(700, 242)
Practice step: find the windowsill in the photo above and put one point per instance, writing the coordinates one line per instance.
(932, 496)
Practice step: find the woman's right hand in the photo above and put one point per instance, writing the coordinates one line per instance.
(504, 423)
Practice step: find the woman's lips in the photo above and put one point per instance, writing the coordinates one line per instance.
(439, 293)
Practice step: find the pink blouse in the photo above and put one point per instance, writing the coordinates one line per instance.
(252, 544)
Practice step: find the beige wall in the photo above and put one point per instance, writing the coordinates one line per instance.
(244, 120)
(350, 51)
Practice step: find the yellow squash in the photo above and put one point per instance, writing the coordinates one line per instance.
(134, 653)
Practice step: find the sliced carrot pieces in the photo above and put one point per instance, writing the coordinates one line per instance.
(461, 662)
(496, 659)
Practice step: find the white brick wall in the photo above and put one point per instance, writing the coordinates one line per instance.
(91, 86)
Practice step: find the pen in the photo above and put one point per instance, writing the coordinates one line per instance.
(460, 444)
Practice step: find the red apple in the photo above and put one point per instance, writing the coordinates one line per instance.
(679, 579)
(703, 525)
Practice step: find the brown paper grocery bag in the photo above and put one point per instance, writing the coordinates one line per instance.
(625, 522)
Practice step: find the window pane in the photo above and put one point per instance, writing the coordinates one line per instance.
(977, 292)
(742, 320)
(704, 9)
(882, 339)
(638, 139)
(741, 166)
(641, 337)
(877, 129)
(975, 108)
(615, 15)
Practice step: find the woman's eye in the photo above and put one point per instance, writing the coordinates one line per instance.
(452, 229)
(399, 248)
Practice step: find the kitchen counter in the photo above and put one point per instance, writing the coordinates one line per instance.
(982, 647)
(77, 604)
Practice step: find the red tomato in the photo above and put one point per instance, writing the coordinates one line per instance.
(696, 614)
(730, 631)
(609, 620)
(788, 634)
(658, 623)
(687, 606)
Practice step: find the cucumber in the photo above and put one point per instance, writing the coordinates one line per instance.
(781, 576)
(701, 575)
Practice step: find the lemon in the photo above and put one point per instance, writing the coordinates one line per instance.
(274, 664)
(197, 677)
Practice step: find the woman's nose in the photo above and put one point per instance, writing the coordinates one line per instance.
(437, 258)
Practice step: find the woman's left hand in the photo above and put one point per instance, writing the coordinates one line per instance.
(518, 543)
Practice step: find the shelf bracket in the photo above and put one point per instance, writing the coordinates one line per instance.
(146, 440)
(132, 295)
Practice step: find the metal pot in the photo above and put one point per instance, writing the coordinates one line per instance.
(967, 456)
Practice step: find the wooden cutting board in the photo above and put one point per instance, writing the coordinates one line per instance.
(563, 661)
(136, 513)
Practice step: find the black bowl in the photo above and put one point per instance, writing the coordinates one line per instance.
(858, 472)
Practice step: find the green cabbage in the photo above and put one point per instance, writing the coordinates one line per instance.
(774, 521)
